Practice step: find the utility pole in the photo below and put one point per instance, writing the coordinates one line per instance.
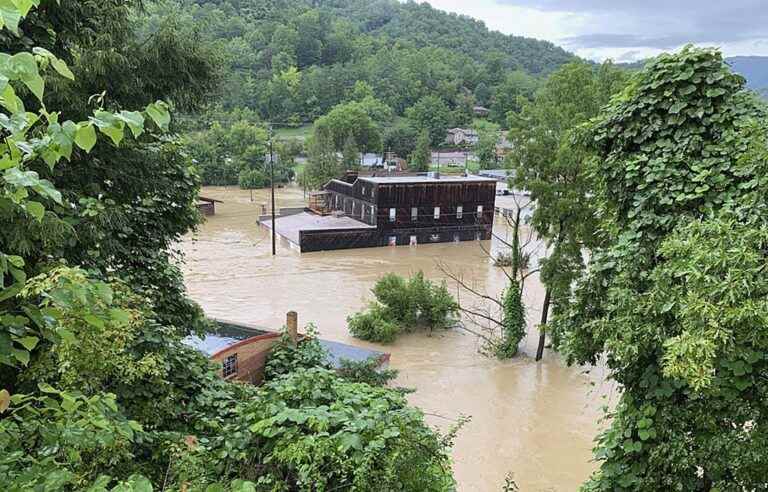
(272, 183)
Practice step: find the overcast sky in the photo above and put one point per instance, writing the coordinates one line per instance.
(626, 30)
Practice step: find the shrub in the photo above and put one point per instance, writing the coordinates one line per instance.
(372, 325)
(367, 371)
(251, 179)
(317, 431)
(403, 305)
(285, 357)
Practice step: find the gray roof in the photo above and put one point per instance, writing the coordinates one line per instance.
(340, 351)
(425, 179)
(227, 333)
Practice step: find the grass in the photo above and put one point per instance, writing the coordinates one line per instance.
(301, 132)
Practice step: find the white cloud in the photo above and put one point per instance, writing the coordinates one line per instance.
(625, 30)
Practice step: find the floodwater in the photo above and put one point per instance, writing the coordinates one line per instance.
(535, 420)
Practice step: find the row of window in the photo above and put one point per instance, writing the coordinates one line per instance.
(435, 215)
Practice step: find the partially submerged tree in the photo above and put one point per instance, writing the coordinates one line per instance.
(547, 161)
(674, 300)
(501, 319)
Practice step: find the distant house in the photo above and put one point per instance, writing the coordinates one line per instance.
(462, 136)
(481, 112)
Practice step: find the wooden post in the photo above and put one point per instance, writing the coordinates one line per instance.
(292, 326)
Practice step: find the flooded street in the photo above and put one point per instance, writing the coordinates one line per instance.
(536, 420)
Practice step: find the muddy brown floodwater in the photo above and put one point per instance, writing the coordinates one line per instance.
(536, 420)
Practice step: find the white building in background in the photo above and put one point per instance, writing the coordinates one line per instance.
(462, 136)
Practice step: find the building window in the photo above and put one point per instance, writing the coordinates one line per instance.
(437, 213)
(392, 214)
(479, 211)
(230, 365)
(459, 212)
(414, 214)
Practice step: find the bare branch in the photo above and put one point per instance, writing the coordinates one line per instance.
(459, 280)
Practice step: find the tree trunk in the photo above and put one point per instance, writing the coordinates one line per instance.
(544, 316)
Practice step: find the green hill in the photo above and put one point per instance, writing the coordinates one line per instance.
(404, 51)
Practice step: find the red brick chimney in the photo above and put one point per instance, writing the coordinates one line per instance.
(292, 326)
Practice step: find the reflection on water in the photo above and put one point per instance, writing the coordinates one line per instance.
(536, 420)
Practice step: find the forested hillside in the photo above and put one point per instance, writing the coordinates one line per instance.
(293, 60)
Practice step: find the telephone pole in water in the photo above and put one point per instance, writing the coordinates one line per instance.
(272, 186)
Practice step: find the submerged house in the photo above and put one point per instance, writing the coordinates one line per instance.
(243, 350)
(394, 211)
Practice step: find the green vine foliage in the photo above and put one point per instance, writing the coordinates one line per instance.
(324, 432)
(675, 300)
(286, 357)
(513, 321)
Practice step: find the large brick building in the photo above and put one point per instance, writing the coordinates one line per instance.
(395, 211)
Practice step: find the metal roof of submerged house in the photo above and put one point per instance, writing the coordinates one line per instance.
(228, 333)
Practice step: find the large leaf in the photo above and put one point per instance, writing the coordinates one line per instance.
(85, 136)
(35, 209)
(24, 66)
(159, 113)
(56, 63)
(134, 120)
(10, 16)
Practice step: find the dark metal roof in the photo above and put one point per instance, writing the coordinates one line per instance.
(425, 179)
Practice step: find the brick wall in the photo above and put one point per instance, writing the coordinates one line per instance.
(251, 357)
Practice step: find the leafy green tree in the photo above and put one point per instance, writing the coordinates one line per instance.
(400, 139)
(513, 322)
(361, 91)
(421, 158)
(432, 114)
(548, 163)
(482, 94)
(488, 136)
(222, 153)
(323, 162)
(139, 62)
(252, 179)
(508, 97)
(673, 299)
(350, 156)
(350, 119)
